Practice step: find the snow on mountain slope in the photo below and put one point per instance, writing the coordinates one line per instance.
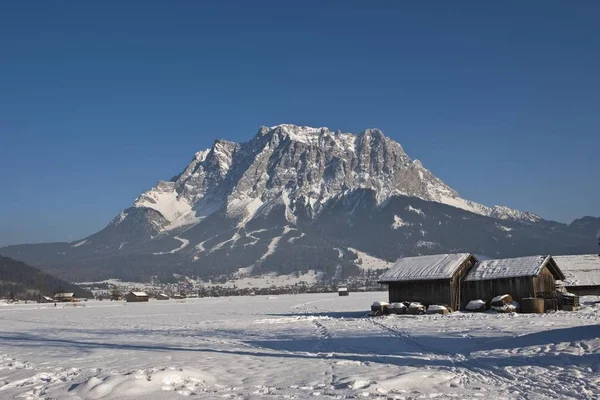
(164, 199)
(299, 166)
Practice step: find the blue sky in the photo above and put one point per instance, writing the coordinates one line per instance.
(100, 100)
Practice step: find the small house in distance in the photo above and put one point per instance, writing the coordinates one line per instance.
(521, 277)
(343, 291)
(582, 273)
(162, 296)
(429, 280)
(64, 297)
(46, 299)
(136, 297)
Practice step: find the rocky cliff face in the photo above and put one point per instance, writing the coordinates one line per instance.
(291, 165)
(297, 197)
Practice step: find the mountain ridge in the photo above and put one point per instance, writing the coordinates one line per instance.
(294, 198)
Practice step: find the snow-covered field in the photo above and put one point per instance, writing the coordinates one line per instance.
(300, 346)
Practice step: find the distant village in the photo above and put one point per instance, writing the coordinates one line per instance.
(436, 284)
(224, 286)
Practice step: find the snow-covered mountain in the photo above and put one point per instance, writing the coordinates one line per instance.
(295, 198)
(289, 164)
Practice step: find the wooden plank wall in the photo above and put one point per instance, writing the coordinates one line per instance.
(544, 282)
(425, 292)
(486, 290)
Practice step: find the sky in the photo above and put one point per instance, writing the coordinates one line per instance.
(100, 100)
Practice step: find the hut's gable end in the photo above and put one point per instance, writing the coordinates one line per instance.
(544, 283)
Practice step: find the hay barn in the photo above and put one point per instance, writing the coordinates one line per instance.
(582, 273)
(430, 280)
(136, 297)
(521, 277)
(64, 297)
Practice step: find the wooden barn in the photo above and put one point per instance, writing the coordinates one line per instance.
(582, 273)
(521, 278)
(430, 280)
(162, 296)
(46, 299)
(136, 297)
(64, 297)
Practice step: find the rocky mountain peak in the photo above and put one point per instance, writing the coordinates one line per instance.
(288, 164)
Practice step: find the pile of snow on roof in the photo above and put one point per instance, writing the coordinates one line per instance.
(580, 270)
(507, 268)
(439, 266)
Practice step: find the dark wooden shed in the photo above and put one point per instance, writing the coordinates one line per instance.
(521, 277)
(64, 297)
(434, 279)
(136, 297)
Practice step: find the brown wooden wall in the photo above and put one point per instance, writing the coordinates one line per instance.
(486, 290)
(544, 282)
(426, 292)
(439, 292)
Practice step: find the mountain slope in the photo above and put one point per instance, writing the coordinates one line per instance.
(22, 280)
(298, 198)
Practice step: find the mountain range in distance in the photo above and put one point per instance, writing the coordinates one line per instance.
(294, 199)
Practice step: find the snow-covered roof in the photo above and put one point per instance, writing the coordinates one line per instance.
(60, 295)
(439, 266)
(580, 270)
(512, 268)
(140, 294)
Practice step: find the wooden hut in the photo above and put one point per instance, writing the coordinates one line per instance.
(136, 297)
(582, 273)
(429, 280)
(162, 296)
(521, 278)
(64, 297)
(46, 299)
(343, 291)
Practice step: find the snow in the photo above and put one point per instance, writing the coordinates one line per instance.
(399, 222)
(380, 303)
(435, 307)
(80, 243)
(427, 244)
(293, 347)
(184, 243)
(275, 242)
(268, 280)
(244, 209)
(370, 262)
(474, 305)
(507, 268)
(439, 266)
(164, 199)
(580, 270)
(140, 294)
(293, 239)
(500, 298)
(415, 210)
